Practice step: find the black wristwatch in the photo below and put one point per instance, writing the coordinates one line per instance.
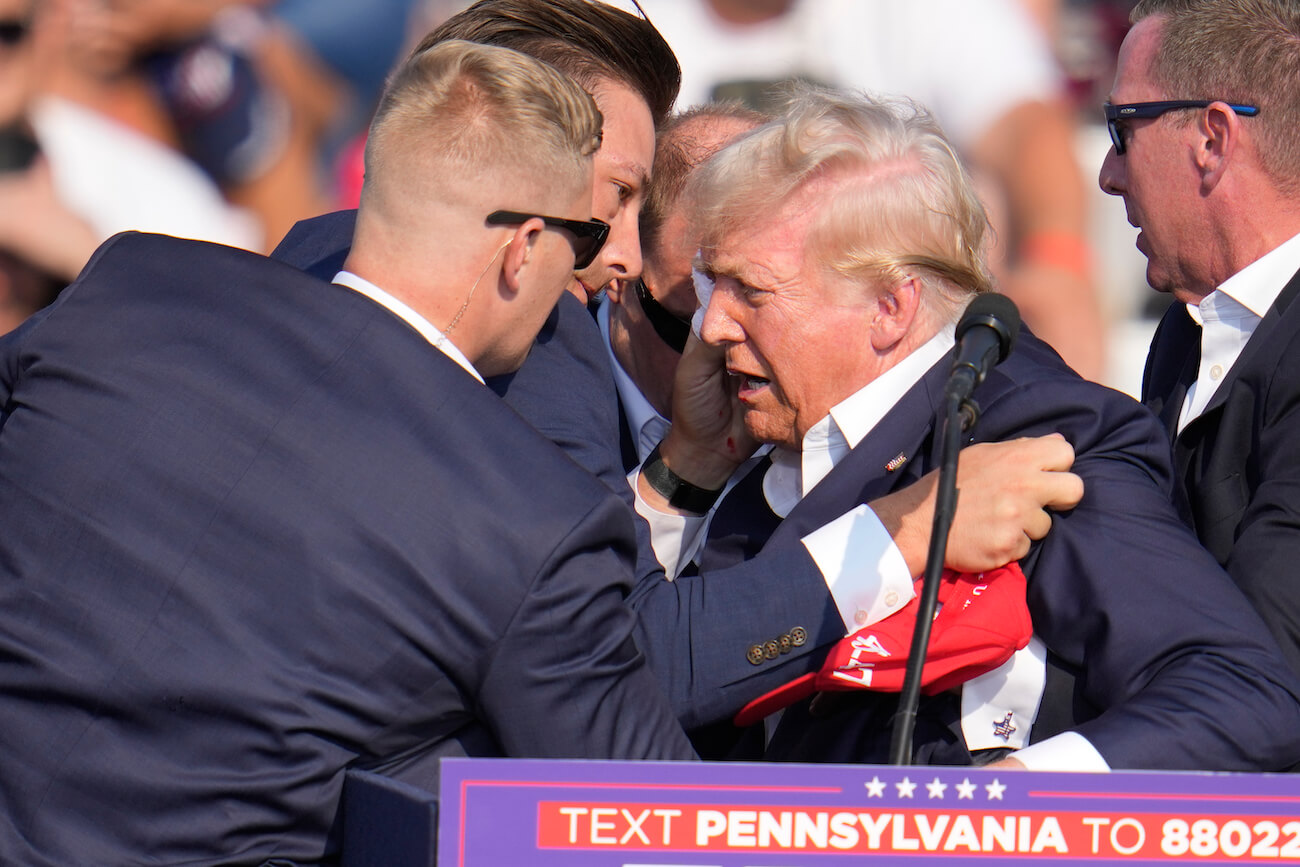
(681, 494)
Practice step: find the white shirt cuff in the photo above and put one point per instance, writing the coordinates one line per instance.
(674, 538)
(863, 568)
(1068, 751)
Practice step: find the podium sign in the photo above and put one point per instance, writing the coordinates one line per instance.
(646, 814)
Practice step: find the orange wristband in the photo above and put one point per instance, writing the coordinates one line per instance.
(1062, 250)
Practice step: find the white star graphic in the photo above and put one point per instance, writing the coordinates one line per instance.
(966, 789)
(936, 788)
(995, 790)
(905, 788)
(875, 788)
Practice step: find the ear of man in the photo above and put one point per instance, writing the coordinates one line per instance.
(1220, 132)
(895, 310)
(520, 254)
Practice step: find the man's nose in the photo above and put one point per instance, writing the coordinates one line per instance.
(1111, 176)
(719, 326)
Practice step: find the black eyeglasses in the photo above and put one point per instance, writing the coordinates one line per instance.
(671, 328)
(1145, 110)
(13, 31)
(586, 236)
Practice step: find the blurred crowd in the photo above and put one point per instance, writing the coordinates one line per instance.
(229, 120)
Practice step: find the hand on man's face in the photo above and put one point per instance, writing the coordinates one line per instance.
(708, 439)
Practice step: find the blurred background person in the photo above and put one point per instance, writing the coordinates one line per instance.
(92, 155)
(987, 71)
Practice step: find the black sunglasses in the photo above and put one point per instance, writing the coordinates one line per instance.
(586, 236)
(1145, 110)
(671, 328)
(13, 31)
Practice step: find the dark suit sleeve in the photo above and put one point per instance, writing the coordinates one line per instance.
(567, 679)
(701, 632)
(1178, 664)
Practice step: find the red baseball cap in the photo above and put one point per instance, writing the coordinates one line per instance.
(982, 622)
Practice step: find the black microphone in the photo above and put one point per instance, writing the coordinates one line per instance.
(985, 335)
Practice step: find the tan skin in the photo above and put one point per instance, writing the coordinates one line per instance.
(622, 169)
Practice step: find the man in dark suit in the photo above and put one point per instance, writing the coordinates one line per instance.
(843, 241)
(260, 528)
(1212, 184)
(700, 649)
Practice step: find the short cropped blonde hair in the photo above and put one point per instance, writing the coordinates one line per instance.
(468, 109)
(899, 202)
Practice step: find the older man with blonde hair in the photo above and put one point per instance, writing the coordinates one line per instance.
(842, 242)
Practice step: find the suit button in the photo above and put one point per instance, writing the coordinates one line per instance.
(785, 643)
(798, 636)
(771, 649)
(755, 655)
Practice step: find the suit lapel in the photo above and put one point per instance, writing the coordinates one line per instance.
(1172, 365)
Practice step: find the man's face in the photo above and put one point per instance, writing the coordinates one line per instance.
(1157, 177)
(650, 361)
(622, 167)
(797, 337)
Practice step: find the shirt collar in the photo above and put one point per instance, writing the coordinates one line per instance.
(846, 425)
(643, 421)
(1254, 287)
(427, 329)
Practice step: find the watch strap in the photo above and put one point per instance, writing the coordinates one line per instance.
(681, 494)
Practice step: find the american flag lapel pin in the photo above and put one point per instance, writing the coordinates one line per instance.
(896, 463)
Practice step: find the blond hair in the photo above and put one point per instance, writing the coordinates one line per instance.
(471, 110)
(900, 203)
(1238, 51)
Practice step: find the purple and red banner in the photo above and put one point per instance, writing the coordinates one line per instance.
(647, 814)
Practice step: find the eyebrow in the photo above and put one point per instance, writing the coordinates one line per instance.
(640, 174)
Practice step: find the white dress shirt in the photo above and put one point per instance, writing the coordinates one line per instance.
(644, 422)
(1229, 315)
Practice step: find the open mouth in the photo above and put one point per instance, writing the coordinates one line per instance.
(748, 384)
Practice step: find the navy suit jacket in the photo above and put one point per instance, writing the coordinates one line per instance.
(699, 636)
(1237, 464)
(257, 531)
(1155, 657)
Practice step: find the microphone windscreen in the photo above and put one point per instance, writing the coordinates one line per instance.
(999, 313)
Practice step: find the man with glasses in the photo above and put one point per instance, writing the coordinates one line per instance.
(260, 528)
(1203, 117)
